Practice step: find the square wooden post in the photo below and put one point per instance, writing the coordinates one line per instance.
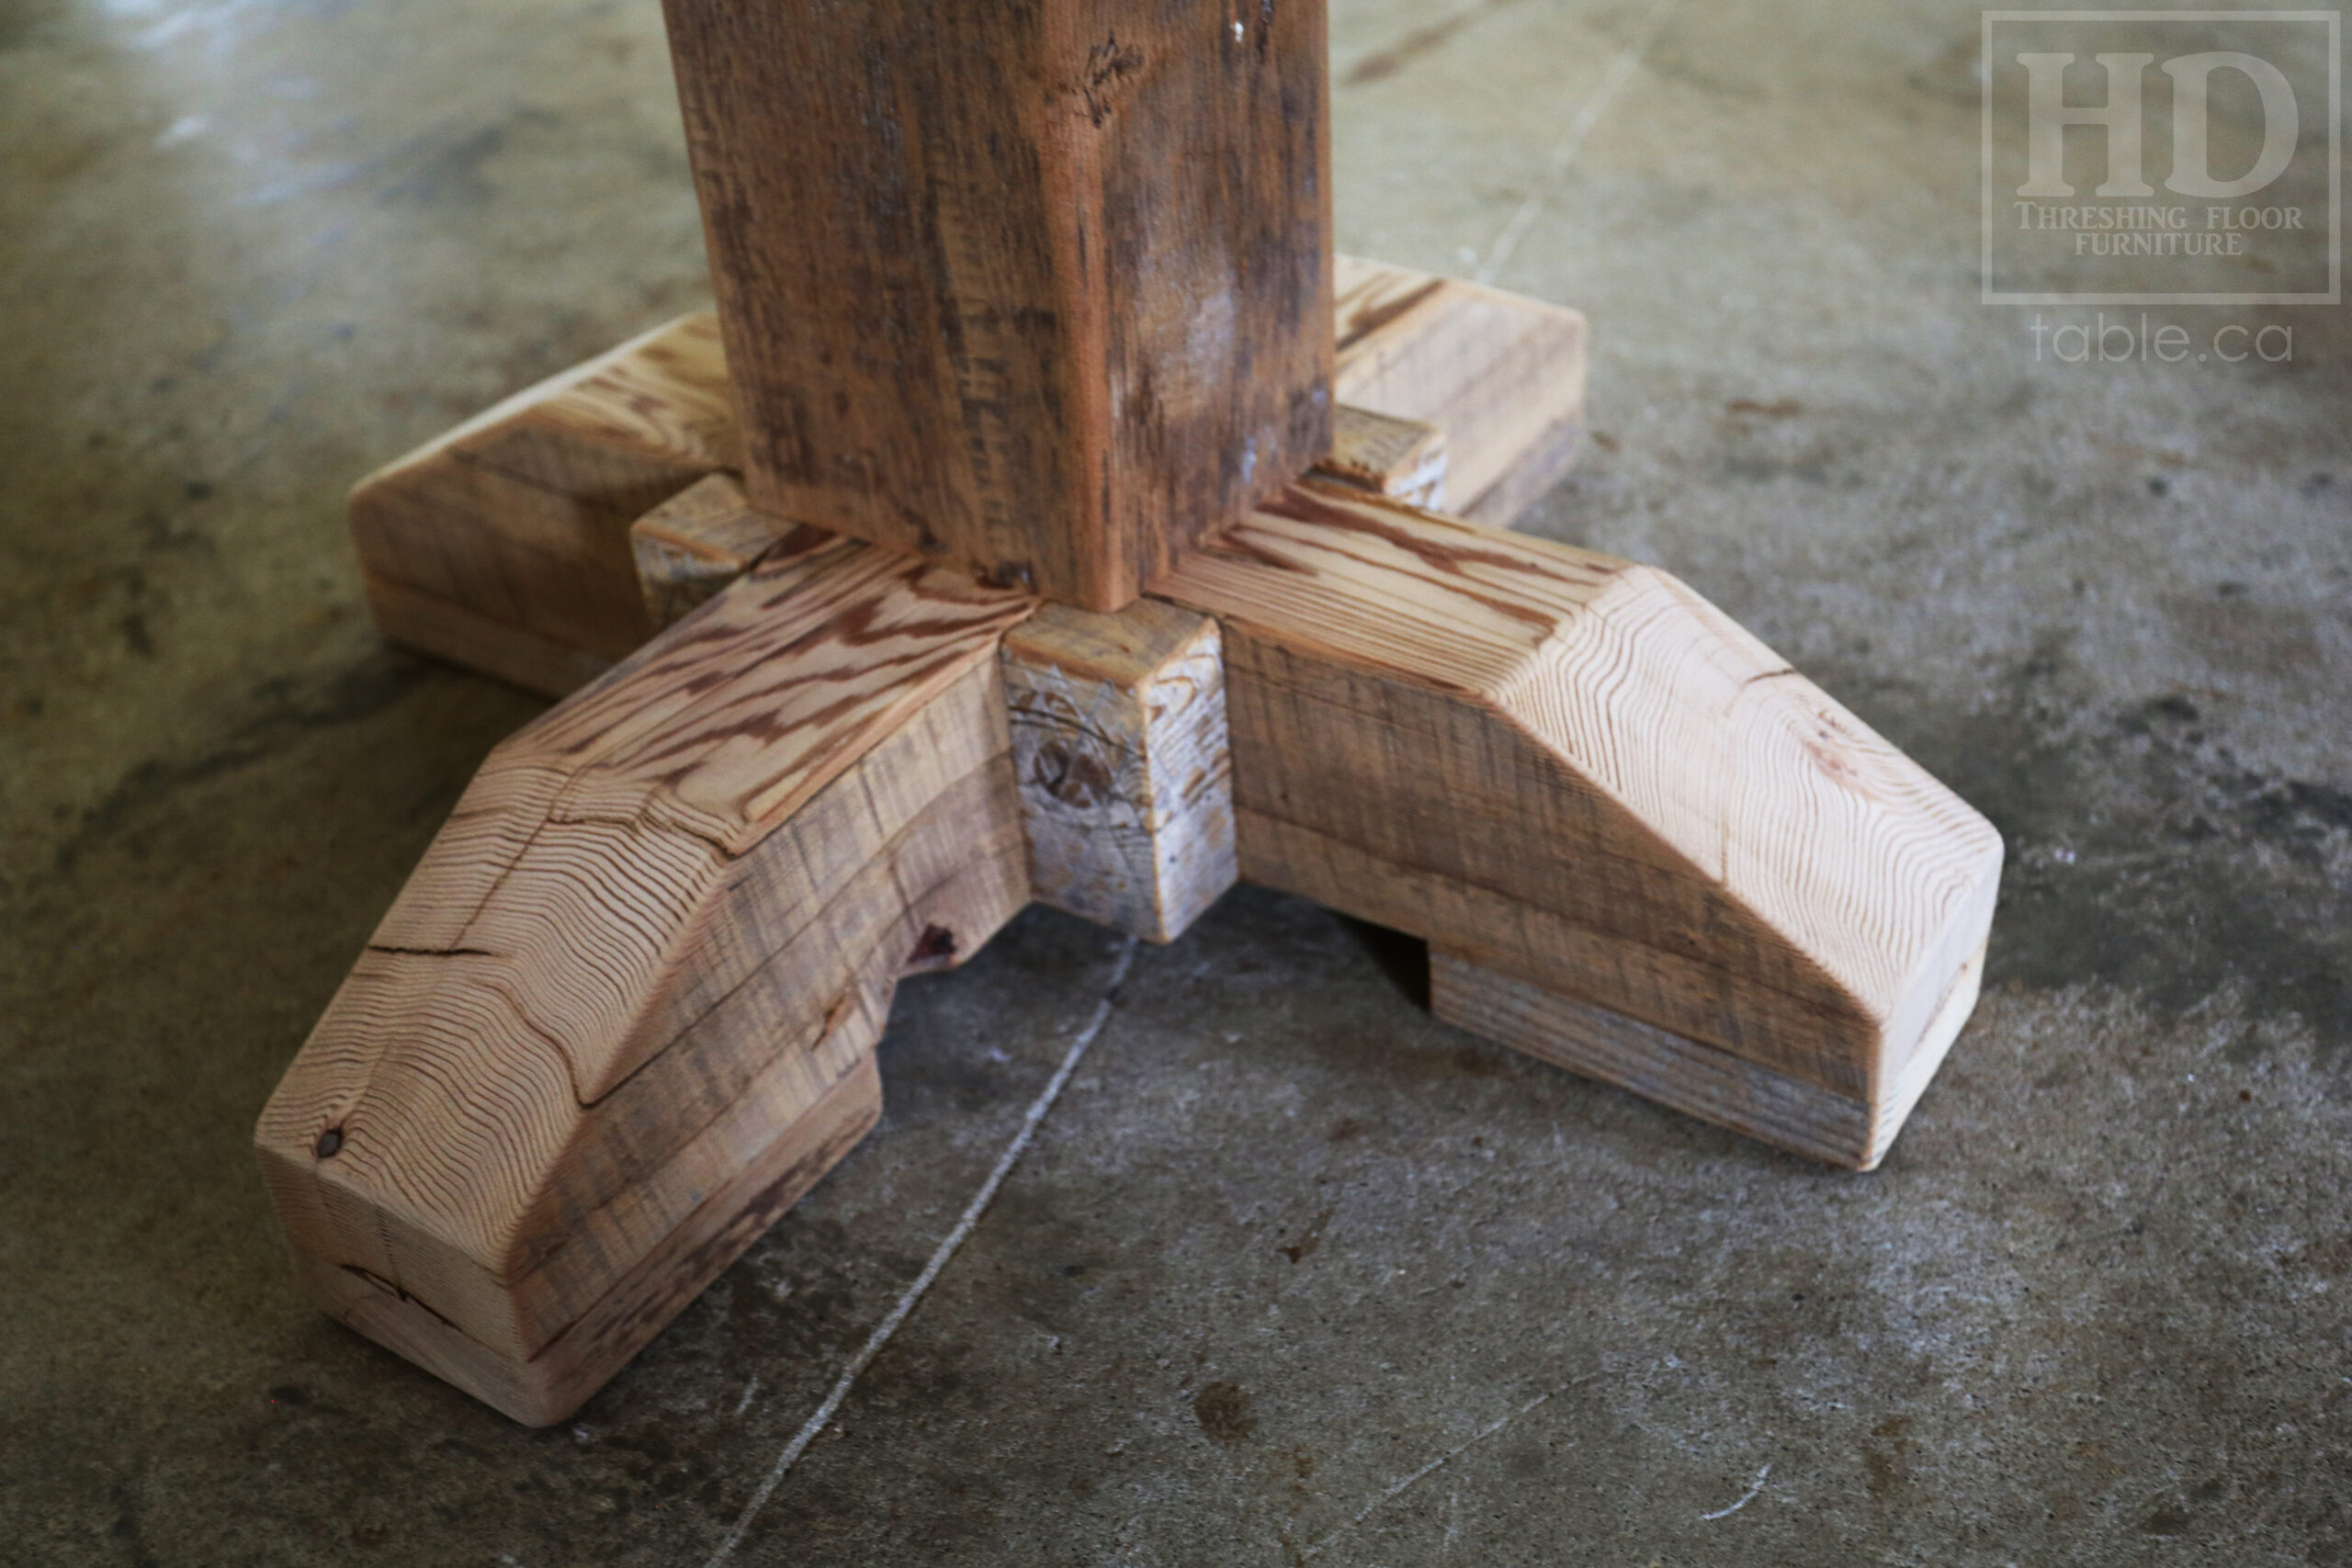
(1040, 286)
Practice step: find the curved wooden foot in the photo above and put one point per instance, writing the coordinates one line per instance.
(624, 1014)
(1639, 843)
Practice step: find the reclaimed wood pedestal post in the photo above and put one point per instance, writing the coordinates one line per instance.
(1044, 515)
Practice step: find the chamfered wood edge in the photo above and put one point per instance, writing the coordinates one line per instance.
(746, 710)
(1875, 933)
(554, 1384)
(547, 390)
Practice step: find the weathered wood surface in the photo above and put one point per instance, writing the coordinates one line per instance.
(622, 1013)
(522, 562)
(1705, 1081)
(696, 543)
(1119, 742)
(504, 543)
(1041, 287)
(1572, 771)
(1401, 458)
(1502, 375)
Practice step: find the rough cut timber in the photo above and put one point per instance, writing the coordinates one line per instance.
(623, 1014)
(1119, 741)
(1039, 287)
(1502, 376)
(1401, 458)
(455, 537)
(1591, 790)
(504, 543)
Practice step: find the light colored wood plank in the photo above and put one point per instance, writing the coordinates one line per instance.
(696, 543)
(661, 927)
(1119, 740)
(1701, 1080)
(1572, 772)
(520, 516)
(1502, 375)
(1401, 458)
(1066, 316)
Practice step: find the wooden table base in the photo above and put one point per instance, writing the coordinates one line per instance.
(625, 1012)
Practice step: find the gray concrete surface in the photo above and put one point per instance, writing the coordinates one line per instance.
(1293, 1273)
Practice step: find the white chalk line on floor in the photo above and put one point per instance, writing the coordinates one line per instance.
(1612, 82)
(940, 1257)
(1385, 1495)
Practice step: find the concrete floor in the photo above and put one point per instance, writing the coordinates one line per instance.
(1286, 1244)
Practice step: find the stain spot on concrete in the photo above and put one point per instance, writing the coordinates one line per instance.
(1223, 1410)
(1481, 1062)
(1385, 62)
(454, 175)
(1888, 1461)
(356, 693)
(1305, 1246)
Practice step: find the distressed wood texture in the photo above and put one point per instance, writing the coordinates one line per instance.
(1502, 374)
(504, 543)
(506, 546)
(1402, 459)
(624, 1012)
(1705, 1081)
(1039, 287)
(1119, 741)
(696, 543)
(1572, 773)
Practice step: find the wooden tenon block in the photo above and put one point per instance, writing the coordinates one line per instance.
(1119, 742)
(624, 1014)
(1638, 843)
(696, 543)
(1502, 374)
(1117, 723)
(1040, 286)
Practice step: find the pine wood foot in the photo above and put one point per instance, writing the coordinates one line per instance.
(625, 1010)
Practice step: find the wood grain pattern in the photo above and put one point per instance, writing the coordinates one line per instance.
(696, 543)
(1401, 458)
(1073, 258)
(1699, 1080)
(661, 927)
(1572, 772)
(520, 516)
(520, 563)
(1119, 741)
(1502, 375)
